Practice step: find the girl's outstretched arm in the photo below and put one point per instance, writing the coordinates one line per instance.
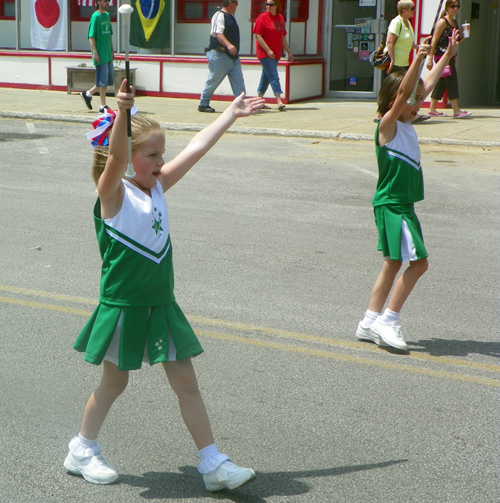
(387, 128)
(110, 187)
(175, 169)
(433, 76)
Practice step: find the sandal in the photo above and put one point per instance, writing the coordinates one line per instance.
(462, 114)
(265, 107)
(281, 108)
(422, 118)
(436, 114)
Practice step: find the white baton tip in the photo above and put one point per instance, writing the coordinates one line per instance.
(125, 9)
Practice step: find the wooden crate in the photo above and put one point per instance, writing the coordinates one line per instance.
(82, 78)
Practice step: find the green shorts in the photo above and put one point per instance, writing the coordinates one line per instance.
(399, 233)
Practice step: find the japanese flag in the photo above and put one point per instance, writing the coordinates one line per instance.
(49, 24)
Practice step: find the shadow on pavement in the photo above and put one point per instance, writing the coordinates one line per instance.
(443, 347)
(188, 483)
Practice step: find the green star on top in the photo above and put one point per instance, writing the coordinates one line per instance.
(157, 226)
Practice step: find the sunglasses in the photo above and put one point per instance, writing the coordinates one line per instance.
(411, 8)
(454, 6)
(270, 4)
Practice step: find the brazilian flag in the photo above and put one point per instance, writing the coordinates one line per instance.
(150, 24)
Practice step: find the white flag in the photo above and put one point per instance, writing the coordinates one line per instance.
(49, 24)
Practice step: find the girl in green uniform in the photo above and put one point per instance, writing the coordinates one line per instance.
(400, 185)
(137, 318)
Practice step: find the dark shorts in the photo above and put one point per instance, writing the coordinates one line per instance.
(450, 83)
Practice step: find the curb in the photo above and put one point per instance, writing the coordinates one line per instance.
(298, 133)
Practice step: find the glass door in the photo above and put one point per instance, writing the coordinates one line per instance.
(356, 30)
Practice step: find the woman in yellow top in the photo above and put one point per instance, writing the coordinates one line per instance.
(400, 37)
(400, 42)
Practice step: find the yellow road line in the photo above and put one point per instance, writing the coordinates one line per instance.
(352, 359)
(269, 331)
(333, 342)
(49, 307)
(57, 296)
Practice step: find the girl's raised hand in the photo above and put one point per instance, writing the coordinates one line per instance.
(453, 42)
(125, 100)
(250, 106)
(424, 49)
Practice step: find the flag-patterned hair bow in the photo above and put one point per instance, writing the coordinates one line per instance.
(102, 127)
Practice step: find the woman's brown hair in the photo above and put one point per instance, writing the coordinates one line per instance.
(278, 6)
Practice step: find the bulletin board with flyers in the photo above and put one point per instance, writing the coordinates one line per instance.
(360, 38)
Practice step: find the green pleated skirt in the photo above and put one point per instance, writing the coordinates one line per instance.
(144, 330)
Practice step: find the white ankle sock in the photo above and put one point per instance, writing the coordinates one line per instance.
(211, 459)
(82, 447)
(90, 444)
(389, 316)
(370, 317)
(208, 452)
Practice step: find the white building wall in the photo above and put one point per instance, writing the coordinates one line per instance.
(26, 70)
(148, 78)
(307, 81)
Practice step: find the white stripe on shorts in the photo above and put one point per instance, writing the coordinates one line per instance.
(408, 251)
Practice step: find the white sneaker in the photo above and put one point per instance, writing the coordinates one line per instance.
(389, 334)
(227, 475)
(365, 334)
(92, 468)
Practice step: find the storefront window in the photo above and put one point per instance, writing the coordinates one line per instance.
(82, 10)
(299, 8)
(7, 9)
(196, 11)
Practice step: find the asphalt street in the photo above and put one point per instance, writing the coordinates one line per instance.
(275, 256)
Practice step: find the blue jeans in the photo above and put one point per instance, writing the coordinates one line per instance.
(221, 65)
(104, 74)
(269, 76)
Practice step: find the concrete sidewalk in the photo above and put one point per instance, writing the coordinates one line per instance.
(319, 118)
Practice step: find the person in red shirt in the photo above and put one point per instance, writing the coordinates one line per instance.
(270, 33)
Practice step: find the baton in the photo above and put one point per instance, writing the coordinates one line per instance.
(411, 100)
(126, 10)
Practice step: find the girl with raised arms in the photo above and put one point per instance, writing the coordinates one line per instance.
(137, 318)
(400, 185)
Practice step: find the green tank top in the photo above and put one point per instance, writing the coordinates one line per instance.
(400, 178)
(136, 251)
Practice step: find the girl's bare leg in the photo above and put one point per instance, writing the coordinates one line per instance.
(383, 284)
(113, 383)
(182, 379)
(405, 284)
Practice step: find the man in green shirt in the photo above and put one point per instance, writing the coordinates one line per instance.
(101, 44)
